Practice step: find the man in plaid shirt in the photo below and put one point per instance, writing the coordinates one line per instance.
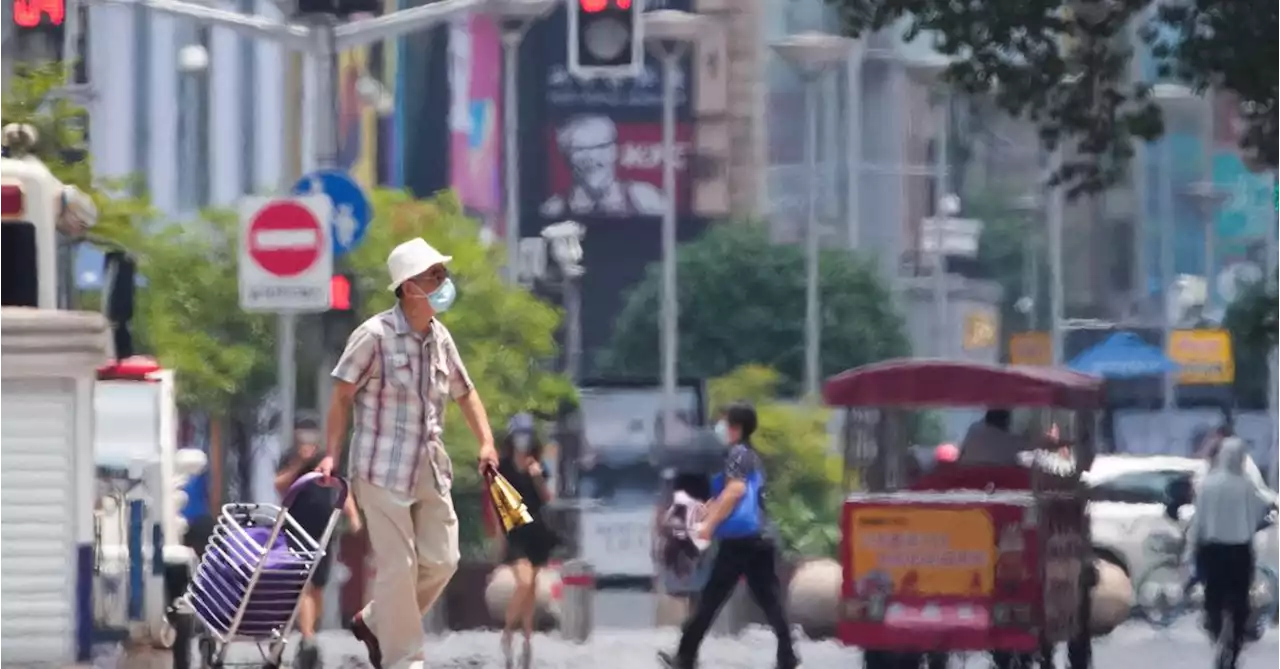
(393, 378)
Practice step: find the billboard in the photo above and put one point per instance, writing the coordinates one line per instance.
(597, 167)
(475, 114)
(357, 120)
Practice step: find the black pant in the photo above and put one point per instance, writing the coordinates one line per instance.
(1227, 573)
(756, 559)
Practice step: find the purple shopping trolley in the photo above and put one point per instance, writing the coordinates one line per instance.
(250, 580)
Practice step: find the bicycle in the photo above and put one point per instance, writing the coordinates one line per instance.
(1164, 593)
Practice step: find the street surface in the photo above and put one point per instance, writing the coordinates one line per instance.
(1134, 646)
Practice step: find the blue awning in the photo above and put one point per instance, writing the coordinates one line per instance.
(1123, 355)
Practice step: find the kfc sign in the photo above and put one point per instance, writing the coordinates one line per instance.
(601, 168)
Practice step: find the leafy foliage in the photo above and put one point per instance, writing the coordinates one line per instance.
(1231, 45)
(742, 301)
(803, 473)
(191, 316)
(1251, 320)
(34, 97)
(1015, 51)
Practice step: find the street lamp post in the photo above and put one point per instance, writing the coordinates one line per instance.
(1054, 212)
(669, 33)
(1172, 98)
(514, 18)
(1031, 209)
(812, 55)
(322, 37)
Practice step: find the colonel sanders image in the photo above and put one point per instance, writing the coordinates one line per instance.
(590, 146)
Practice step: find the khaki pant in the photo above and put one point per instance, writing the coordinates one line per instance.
(415, 553)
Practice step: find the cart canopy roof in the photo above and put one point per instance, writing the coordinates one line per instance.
(932, 383)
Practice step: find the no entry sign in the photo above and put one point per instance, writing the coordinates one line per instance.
(286, 256)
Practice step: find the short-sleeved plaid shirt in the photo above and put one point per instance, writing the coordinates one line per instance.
(402, 380)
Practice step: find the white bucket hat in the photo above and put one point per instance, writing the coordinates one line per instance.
(411, 259)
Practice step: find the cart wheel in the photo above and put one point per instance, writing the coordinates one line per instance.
(165, 636)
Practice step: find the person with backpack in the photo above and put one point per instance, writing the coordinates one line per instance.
(735, 519)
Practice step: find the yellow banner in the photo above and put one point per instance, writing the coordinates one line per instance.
(923, 551)
(1031, 348)
(1205, 357)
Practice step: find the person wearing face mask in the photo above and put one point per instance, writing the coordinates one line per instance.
(393, 379)
(526, 548)
(735, 519)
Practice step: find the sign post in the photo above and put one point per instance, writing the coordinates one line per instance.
(285, 266)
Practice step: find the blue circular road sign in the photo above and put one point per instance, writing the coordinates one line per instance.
(352, 212)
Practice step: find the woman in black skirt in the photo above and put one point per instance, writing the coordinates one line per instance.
(528, 547)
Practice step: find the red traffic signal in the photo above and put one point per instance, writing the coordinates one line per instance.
(340, 293)
(596, 6)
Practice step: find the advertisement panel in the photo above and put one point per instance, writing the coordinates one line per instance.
(598, 167)
(923, 552)
(1031, 348)
(1204, 356)
(475, 113)
(357, 120)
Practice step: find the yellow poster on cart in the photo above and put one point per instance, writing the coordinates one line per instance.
(923, 552)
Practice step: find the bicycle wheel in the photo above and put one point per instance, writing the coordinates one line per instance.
(1262, 602)
(1159, 594)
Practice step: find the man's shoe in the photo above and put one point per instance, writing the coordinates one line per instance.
(308, 655)
(673, 661)
(360, 630)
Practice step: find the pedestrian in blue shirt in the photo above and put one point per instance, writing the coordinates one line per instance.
(735, 519)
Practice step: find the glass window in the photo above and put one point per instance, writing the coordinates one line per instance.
(1142, 487)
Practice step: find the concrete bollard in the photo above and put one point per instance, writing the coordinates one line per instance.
(813, 597)
(577, 609)
(1112, 600)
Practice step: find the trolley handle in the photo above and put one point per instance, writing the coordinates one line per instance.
(316, 478)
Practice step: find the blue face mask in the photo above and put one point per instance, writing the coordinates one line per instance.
(722, 432)
(443, 297)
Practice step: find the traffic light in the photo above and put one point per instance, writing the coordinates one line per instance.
(606, 38)
(340, 293)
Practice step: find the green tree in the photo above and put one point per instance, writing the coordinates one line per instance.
(190, 316)
(1066, 64)
(742, 301)
(1077, 93)
(35, 96)
(804, 474)
(1251, 320)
